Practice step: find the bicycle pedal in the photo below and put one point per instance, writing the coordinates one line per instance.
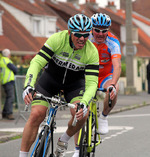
(94, 141)
(97, 133)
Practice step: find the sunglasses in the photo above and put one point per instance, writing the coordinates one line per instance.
(79, 35)
(100, 30)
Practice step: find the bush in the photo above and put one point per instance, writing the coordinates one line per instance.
(123, 69)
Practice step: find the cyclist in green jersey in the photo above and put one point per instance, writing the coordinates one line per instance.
(71, 64)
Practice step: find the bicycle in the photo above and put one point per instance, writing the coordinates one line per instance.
(88, 137)
(44, 144)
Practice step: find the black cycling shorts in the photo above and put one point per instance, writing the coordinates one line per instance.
(49, 87)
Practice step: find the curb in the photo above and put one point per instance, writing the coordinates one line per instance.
(129, 108)
(9, 137)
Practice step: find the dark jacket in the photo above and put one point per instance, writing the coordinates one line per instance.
(148, 71)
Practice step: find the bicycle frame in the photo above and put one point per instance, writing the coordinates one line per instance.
(45, 137)
(49, 124)
(93, 112)
(87, 139)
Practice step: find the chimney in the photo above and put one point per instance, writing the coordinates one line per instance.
(91, 1)
(31, 1)
(111, 5)
(73, 1)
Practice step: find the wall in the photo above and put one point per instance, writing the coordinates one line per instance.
(143, 26)
(139, 81)
(25, 21)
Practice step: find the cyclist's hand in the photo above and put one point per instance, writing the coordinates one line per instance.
(82, 112)
(28, 94)
(113, 91)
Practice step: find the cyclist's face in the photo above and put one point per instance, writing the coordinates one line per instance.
(79, 39)
(100, 34)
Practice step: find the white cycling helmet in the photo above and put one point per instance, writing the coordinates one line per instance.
(100, 19)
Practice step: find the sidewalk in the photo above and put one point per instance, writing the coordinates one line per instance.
(8, 128)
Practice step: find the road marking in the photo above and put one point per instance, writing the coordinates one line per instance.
(63, 129)
(120, 131)
(123, 129)
(129, 116)
(60, 129)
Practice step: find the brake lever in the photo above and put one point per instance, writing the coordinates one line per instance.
(110, 101)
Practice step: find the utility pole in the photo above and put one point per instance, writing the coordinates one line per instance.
(0, 92)
(0, 101)
(130, 89)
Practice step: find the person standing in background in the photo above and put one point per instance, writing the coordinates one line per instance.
(148, 76)
(7, 72)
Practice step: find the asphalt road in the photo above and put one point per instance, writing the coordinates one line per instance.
(129, 136)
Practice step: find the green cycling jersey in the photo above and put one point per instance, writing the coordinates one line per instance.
(60, 60)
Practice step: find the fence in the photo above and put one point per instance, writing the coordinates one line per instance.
(19, 83)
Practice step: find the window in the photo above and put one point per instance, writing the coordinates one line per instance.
(37, 27)
(135, 35)
(1, 27)
(50, 26)
(43, 26)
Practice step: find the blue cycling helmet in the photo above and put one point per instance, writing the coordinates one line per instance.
(100, 19)
(79, 22)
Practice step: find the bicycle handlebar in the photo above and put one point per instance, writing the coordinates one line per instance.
(105, 90)
(55, 100)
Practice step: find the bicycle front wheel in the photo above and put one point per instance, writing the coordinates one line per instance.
(48, 148)
(84, 142)
(38, 150)
(42, 145)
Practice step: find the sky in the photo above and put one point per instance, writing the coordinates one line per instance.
(102, 3)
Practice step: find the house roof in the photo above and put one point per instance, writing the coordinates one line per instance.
(142, 7)
(31, 8)
(15, 36)
(21, 40)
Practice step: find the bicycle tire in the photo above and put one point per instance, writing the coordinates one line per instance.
(48, 152)
(84, 142)
(40, 146)
(94, 135)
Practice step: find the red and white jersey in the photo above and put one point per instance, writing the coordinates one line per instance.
(107, 51)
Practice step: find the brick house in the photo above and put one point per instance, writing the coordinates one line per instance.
(26, 24)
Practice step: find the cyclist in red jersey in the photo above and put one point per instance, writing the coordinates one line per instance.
(109, 66)
(109, 63)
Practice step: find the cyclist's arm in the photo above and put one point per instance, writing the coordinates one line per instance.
(91, 77)
(90, 88)
(40, 60)
(117, 70)
(36, 65)
(116, 60)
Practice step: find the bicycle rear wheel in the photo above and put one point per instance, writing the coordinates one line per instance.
(94, 135)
